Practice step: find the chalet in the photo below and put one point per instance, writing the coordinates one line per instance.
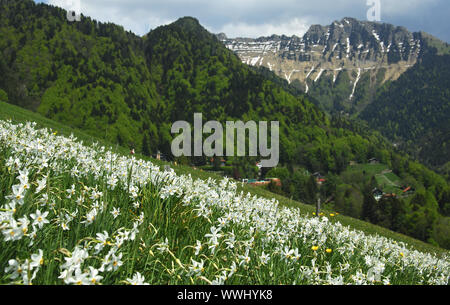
(320, 181)
(159, 156)
(222, 161)
(374, 161)
(267, 181)
(277, 181)
(377, 194)
(318, 175)
(406, 190)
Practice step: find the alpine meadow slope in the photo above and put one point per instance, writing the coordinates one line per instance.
(129, 90)
(83, 215)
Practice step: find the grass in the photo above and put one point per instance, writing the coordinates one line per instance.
(76, 214)
(370, 169)
(20, 115)
(388, 182)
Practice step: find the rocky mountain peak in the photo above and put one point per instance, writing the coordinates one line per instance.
(372, 51)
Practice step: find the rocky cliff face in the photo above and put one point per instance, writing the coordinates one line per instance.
(341, 64)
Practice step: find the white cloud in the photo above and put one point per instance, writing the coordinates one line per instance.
(405, 7)
(254, 18)
(295, 26)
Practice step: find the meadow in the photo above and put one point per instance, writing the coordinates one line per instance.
(72, 213)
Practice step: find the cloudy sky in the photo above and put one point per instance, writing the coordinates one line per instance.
(254, 18)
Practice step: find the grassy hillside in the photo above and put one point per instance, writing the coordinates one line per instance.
(386, 179)
(129, 90)
(20, 115)
(83, 215)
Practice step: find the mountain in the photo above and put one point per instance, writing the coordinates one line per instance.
(341, 65)
(395, 80)
(414, 110)
(129, 90)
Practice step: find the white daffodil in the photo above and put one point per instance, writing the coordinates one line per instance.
(137, 279)
(115, 262)
(231, 240)
(71, 191)
(41, 184)
(90, 217)
(18, 195)
(245, 259)
(15, 267)
(65, 226)
(264, 258)
(77, 258)
(198, 247)
(93, 277)
(233, 269)
(115, 212)
(23, 176)
(220, 279)
(214, 236)
(79, 278)
(37, 260)
(164, 246)
(13, 232)
(102, 241)
(196, 268)
(39, 218)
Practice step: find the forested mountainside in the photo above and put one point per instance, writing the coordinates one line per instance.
(414, 110)
(129, 90)
(362, 69)
(341, 65)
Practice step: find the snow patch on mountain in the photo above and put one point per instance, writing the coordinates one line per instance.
(356, 82)
(318, 76)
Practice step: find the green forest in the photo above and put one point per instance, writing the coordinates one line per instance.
(414, 110)
(129, 90)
